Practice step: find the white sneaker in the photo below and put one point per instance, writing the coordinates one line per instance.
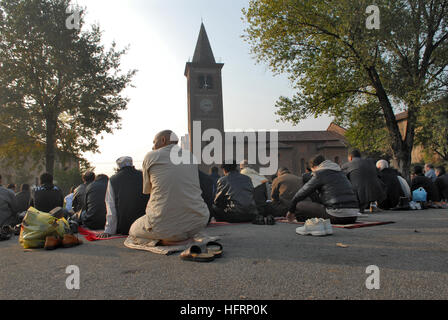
(328, 226)
(315, 227)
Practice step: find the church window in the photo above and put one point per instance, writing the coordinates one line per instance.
(205, 82)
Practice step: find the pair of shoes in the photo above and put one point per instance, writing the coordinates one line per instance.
(316, 227)
(270, 220)
(415, 205)
(69, 241)
(259, 220)
(195, 253)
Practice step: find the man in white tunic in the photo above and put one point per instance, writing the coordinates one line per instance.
(176, 211)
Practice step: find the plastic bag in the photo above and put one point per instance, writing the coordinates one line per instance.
(37, 225)
(419, 195)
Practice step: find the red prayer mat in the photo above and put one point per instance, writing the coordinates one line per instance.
(90, 235)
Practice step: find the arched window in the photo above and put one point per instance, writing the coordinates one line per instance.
(205, 82)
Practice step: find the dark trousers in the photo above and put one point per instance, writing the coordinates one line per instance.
(277, 209)
(307, 210)
(232, 217)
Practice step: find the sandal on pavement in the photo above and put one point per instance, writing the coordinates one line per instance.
(214, 248)
(194, 253)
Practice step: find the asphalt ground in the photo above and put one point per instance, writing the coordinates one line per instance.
(259, 263)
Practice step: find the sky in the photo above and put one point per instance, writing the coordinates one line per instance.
(162, 35)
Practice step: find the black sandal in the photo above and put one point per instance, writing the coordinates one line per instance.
(259, 220)
(214, 248)
(194, 253)
(270, 220)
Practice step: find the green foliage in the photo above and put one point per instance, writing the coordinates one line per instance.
(57, 86)
(368, 132)
(336, 64)
(65, 179)
(433, 128)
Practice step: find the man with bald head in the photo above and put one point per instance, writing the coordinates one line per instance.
(176, 211)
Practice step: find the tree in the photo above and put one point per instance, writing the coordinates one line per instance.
(367, 131)
(58, 84)
(336, 63)
(432, 131)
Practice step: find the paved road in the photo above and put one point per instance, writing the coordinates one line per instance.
(260, 262)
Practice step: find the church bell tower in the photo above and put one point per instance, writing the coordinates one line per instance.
(205, 101)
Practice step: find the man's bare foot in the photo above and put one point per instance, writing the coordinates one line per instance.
(175, 243)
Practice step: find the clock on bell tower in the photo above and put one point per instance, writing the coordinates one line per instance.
(205, 101)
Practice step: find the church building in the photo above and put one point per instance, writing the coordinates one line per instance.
(205, 105)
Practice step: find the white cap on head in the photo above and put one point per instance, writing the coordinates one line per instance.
(124, 162)
(382, 164)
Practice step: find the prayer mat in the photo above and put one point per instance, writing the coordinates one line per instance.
(359, 224)
(219, 224)
(90, 235)
(200, 239)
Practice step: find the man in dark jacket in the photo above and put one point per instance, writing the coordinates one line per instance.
(47, 196)
(8, 207)
(284, 188)
(420, 181)
(23, 198)
(125, 201)
(394, 191)
(234, 201)
(339, 203)
(364, 179)
(94, 212)
(214, 175)
(442, 183)
(79, 196)
(206, 184)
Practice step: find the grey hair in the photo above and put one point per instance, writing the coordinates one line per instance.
(382, 164)
(244, 164)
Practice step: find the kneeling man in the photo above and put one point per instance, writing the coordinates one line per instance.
(176, 211)
(338, 200)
